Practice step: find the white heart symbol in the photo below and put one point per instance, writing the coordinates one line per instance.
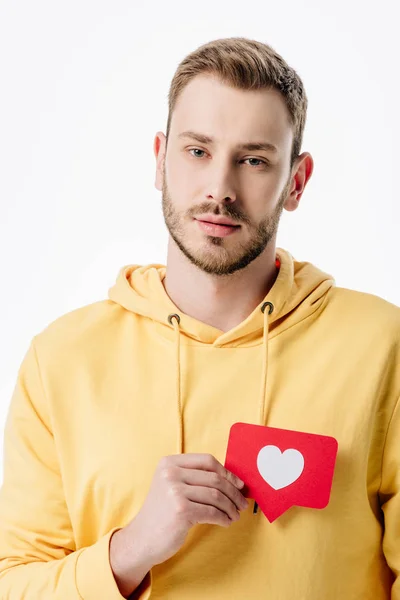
(279, 469)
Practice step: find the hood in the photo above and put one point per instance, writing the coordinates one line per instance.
(298, 291)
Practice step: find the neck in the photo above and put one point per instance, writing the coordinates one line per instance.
(222, 302)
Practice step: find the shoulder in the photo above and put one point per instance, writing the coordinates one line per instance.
(357, 300)
(358, 309)
(81, 331)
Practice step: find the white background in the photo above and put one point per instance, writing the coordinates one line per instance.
(83, 90)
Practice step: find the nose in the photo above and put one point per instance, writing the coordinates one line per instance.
(222, 188)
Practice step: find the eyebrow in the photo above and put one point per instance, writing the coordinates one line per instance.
(205, 139)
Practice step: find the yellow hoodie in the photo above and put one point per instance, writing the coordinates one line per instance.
(108, 389)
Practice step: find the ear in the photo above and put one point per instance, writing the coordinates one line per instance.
(159, 152)
(302, 171)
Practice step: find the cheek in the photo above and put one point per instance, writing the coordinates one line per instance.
(183, 185)
(274, 184)
(260, 196)
(258, 192)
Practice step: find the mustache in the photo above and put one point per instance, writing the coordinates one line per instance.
(230, 212)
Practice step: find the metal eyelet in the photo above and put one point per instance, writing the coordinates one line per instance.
(264, 306)
(171, 316)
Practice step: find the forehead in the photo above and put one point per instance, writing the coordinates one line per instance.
(216, 109)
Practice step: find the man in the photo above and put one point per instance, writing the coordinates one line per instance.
(116, 437)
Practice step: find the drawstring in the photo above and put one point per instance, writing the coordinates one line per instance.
(174, 320)
(175, 325)
(265, 360)
(265, 369)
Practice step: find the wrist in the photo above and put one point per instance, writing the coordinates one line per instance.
(128, 560)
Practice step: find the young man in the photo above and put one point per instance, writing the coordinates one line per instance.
(115, 483)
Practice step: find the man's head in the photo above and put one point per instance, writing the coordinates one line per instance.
(224, 96)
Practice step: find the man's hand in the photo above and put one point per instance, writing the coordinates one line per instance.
(186, 489)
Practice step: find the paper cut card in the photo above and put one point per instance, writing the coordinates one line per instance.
(282, 468)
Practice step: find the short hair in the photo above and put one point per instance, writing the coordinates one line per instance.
(245, 64)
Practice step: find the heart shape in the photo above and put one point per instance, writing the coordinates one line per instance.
(279, 469)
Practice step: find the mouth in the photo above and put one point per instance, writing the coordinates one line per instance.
(217, 229)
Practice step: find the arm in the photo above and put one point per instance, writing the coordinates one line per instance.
(38, 556)
(390, 499)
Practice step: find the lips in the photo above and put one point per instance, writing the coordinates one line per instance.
(217, 229)
(217, 221)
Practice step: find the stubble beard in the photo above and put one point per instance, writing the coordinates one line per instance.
(221, 262)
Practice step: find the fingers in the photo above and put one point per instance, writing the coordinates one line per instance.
(203, 490)
(203, 513)
(205, 479)
(205, 462)
(212, 497)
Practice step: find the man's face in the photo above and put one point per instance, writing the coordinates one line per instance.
(218, 178)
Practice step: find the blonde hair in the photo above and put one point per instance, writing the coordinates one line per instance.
(248, 65)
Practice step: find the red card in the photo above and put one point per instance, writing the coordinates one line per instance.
(282, 468)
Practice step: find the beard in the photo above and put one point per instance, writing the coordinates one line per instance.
(213, 257)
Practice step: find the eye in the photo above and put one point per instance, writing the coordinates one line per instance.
(259, 161)
(196, 150)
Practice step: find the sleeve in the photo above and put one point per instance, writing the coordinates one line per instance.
(38, 556)
(390, 499)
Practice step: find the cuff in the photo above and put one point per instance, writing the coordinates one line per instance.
(94, 576)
